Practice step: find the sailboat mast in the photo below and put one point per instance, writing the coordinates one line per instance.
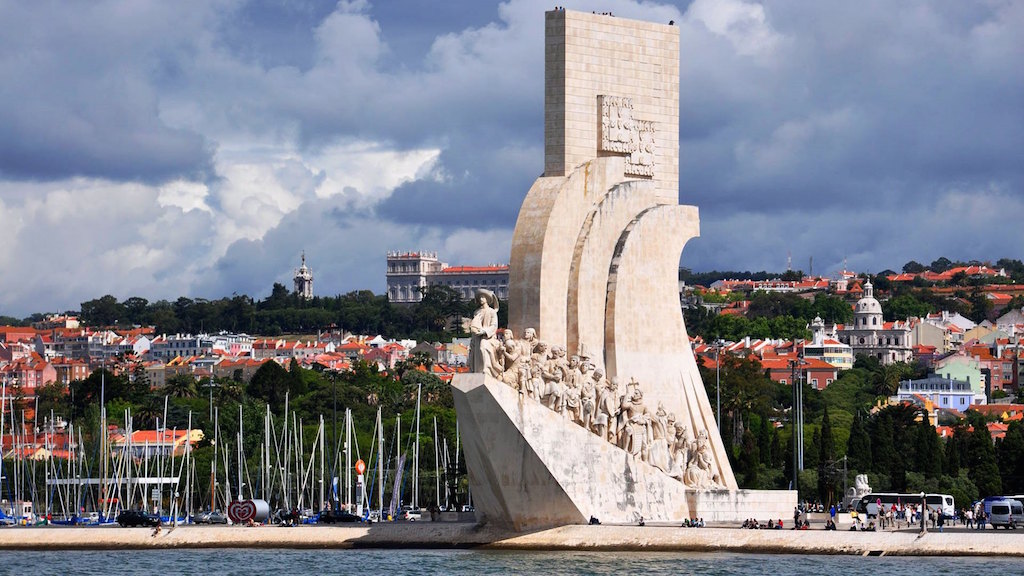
(437, 469)
(416, 453)
(323, 470)
(213, 468)
(348, 458)
(380, 465)
(240, 448)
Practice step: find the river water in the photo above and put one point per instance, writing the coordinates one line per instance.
(376, 562)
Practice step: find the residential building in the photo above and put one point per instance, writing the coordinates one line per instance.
(963, 368)
(944, 393)
(825, 346)
(180, 345)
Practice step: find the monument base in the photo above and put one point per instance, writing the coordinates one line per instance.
(530, 467)
(739, 505)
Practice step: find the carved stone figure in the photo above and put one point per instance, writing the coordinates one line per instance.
(588, 398)
(860, 483)
(554, 378)
(483, 330)
(606, 409)
(514, 371)
(680, 453)
(638, 421)
(538, 361)
(658, 451)
(529, 342)
(699, 473)
(572, 389)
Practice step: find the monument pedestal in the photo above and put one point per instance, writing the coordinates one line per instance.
(531, 468)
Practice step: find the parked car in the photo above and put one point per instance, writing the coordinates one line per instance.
(137, 518)
(411, 514)
(334, 516)
(212, 517)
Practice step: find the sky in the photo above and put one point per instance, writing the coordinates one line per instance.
(198, 148)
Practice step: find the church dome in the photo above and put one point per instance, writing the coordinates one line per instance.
(868, 304)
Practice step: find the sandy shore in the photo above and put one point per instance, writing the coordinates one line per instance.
(425, 535)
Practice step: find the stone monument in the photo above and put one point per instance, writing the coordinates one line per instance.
(599, 410)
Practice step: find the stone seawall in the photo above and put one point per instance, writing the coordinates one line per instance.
(438, 535)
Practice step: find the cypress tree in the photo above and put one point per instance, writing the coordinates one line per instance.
(764, 441)
(776, 450)
(982, 467)
(1010, 455)
(858, 447)
(811, 451)
(826, 461)
(827, 450)
(883, 451)
(749, 459)
(928, 457)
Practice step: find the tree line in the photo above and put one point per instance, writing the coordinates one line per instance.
(896, 446)
(434, 318)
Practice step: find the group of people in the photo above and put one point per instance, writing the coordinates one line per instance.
(754, 524)
(574, 386)
(975, 517)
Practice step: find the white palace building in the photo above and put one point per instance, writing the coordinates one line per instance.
(409, 272)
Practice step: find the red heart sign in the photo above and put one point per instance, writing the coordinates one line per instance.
(241, 511)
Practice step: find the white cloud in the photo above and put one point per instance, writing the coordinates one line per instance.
(744, 24)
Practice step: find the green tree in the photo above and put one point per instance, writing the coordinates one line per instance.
(982, 467)
(181, 386)
(887, 378)
(270, 384)
(53, 396)
(883, 448)
(858, 447)
(832, 309)
(749, 459)
(104, 311)
(927, 449)
(914, 267)
(981, 307)
(905, 306)
(941, 264)
(813, 450)
(827, 476)
(1010, 457)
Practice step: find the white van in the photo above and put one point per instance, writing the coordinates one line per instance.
(1006, 513)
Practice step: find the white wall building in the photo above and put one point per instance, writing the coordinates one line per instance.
(408, 273)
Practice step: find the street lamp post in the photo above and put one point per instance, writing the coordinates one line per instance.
(924, 508)
(718, 384)
(210, 386)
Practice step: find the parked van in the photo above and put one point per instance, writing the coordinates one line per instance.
(1006, 513)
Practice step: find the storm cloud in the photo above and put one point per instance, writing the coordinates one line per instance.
(198, 148)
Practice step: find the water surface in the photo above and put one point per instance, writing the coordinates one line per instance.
(242, 562)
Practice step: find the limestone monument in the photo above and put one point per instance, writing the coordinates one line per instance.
(599, 410)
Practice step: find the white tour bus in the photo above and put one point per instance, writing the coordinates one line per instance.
(941, 502)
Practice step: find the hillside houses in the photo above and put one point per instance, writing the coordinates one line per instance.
(33, 357)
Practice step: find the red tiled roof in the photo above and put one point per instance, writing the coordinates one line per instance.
(473, 269)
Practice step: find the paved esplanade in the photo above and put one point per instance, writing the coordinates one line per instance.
(624, 430)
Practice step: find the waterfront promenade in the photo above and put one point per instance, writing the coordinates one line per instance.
(467, 535)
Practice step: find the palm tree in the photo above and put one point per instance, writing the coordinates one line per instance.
(887, 378)
(181, 386)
